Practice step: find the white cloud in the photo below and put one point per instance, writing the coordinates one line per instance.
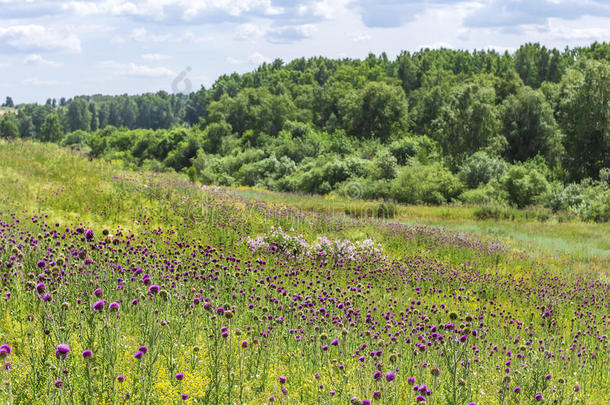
(175, 10)
(35, 81)
(142, 35)
(134, 70)
(290, 33)
(233, 61)
(361, 37)
(250, 32)
(36, 37)
(257, 58)
(154, 56)
(35, 59)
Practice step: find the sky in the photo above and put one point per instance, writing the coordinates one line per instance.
(53, 49)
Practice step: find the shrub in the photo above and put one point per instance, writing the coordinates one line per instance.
(480, 169)
(524, 185)
(431, 184)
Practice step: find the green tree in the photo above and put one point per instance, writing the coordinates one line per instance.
(529, 127)
(8, 102)
(51, 130)
(78, 115)
(8, 126)
(584, 116)
(379, 110)
(468, 122)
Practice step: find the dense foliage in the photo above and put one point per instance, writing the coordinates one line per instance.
(124, 287)
(433, 126)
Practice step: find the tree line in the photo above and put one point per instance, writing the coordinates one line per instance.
(432, 126)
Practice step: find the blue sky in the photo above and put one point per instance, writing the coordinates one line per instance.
(66, 48)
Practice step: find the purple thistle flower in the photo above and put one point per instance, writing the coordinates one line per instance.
(184, 397)
(180, 376)
(87, 354)
(41, 264)
(120, 378)
(138, 355)
(99, 306)
(538, 397)
(390, 376)
(62, 350)
(282, 379)
(5, 351)
(89, 234)
(143, 349)
(153, 289)
(40, 288)
(59, 384)
(377, 375)
(517, 390)
(114, 306)
(335, 342)
(576, 388)
(98, 292)
(420, 398)
(47, 297)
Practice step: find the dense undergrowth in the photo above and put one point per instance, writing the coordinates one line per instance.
(136, 287)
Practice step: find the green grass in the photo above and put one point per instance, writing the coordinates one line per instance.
(437, 265)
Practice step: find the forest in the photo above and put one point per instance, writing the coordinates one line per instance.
(436, 126)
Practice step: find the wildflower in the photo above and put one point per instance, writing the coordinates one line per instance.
(517, 390)
(62, 350)
(89, 234)
(87, 354)
(184, 397)
(538, 397)
(548, 377)
(576, 388)
(420, 398)
(99, 306)
(377, 375)
(244, 344)
(40, 288)
(335, 342)
(41, 264)
(59, 383)
(435, 371)
(98, 292)
(153, 289)
(389, 377)
(114, 306)
(5, 351)
(138, 355)
(120, 378)
(180, 376)
(377, 395)
(282, 379)
(143, 349)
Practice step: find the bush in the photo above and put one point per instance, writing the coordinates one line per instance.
(432, 184)
(599, 211)
(524, 185)
(488, 212)
(480, 169)
(491, 193)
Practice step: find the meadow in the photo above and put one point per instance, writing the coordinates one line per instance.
(136, 287)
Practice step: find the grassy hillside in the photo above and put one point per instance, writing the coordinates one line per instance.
(164, 291)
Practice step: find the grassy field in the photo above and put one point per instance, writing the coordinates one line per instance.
(124, 287)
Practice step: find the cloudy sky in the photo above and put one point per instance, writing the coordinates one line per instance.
(65, 48)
